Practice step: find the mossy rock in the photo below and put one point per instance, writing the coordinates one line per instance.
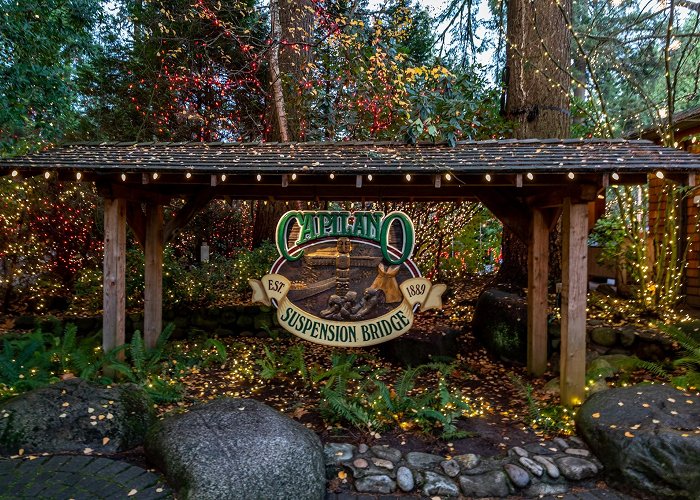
(500, 324)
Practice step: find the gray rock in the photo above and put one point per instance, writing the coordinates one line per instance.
(387, 453)
(374, 484)
(653, 448)
(540, 489)
(604, 335)
(72, 415)
(451, 467)
(518, 475)
(545, 448)
(576, 441)
(563, 445)
(490, 484)
(520, 452)
(237, 449)
(435, 484)
(383, 463)
(360, 463)
(338, 452)
(467, 461)
(575, 469)
(362, 448)
(422, 460)
(578, 452)
(599, 385)
(549, 466)
(627, 336)
(404, 479)
(532, 466)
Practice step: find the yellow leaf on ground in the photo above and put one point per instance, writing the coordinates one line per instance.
(629, 434)
(105, 440)
(132, 492)
(596, 415)
(342, 474)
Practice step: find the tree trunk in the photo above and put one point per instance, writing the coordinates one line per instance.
(537, 96)
(292, 30)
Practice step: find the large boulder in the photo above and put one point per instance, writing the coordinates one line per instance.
(646, 438)
(73, 415)
(238, 448)
(500, 324)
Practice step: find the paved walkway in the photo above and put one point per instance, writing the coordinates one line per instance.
(62, 477)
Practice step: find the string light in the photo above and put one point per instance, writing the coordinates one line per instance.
(408, 177)
(530, 176)
(488, 177)
(294, 177)
(47, 174)
(123, 177)
(188, 175)
(78, 175)
(223, 177)
(369, 177)
(571, 175)
(15, 173)
(258, 177)
(448, 177)
(659, 174)
(616, 176)
(155, 175)
(332, 176)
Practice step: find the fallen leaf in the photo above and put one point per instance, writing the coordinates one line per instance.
(20, 452)
(654, 421)
(91, 410)
(629, 434)
(65, 404)
(62, 415)
(132, 492)
(645, 405)
(620, 403)
(671, 400)
(105, 440)
(635, 427)
(101, 417)
(87, 451)
(299, 412)
(596, 415)
(342, 474)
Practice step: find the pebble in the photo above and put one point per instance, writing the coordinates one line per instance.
(552, 470)
(451, 467)
(575, 469)
(423, 460)
(435, 484)
(517, 474)
(387, 453)
(404, 479)
(520, 451)
(363, 448)
(561, 443)
(375, 484)
(383, 463)
(532, 466)
(489, 484)
(577, 441)
(339, 452)
(360, 463)
(578, 452)
(467, 461)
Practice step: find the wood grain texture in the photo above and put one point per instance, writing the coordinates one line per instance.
(114, 291)
(538, 259)
(573, 302)
(153, 290)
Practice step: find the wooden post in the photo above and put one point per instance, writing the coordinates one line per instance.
(573, 302)
(153, 289)
(114, 291)
(538, 268)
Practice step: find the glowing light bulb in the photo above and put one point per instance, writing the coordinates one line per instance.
(659, 174)
(78, 175)
(294, 177)
(616, 176)
(571, 175)
(332, 176)
(448, 177)
(223, 177)
(188, 175)
(155, 175)
(369, 177)
(258, 177)
(408, 177)
(123, 177)
(47, 175)
(488, 177)
(530, 176)
(15, 173)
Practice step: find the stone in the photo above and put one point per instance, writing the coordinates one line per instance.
(372, 484)
(500, 324)
(576, 441)
(575, 469)
(387, 453)
(600, 368)
(578, 452)
(541, 489)
(598, 385)
(532, 466)
(549, 466)
(653, 447)
(363, 448)
(56, 418)
(553, 386)
(338, 452)
(450, 467)
(604, 335)
(563, 445)
(237, 449)
(383, 463)
(422, 460)
(467, 461)
(520, 452)
(436, 484)
(542, 448)
(404, 479)
(489, 484)
(360, 463)
(627, 336)
(517, 475)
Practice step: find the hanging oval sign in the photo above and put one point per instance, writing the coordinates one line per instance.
(346, 278)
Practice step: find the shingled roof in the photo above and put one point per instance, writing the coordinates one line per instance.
(480, 157)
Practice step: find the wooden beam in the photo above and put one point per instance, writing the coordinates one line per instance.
(153, 290)
(573, 302)
(114, 291)
(136, 220)
(537, 273)
(186, 213)
(512, 213)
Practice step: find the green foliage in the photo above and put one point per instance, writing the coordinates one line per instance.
(375, 406)
(289, 363)
(550, 418)
(689, 362)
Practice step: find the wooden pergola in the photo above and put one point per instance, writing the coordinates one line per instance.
(527, 184)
